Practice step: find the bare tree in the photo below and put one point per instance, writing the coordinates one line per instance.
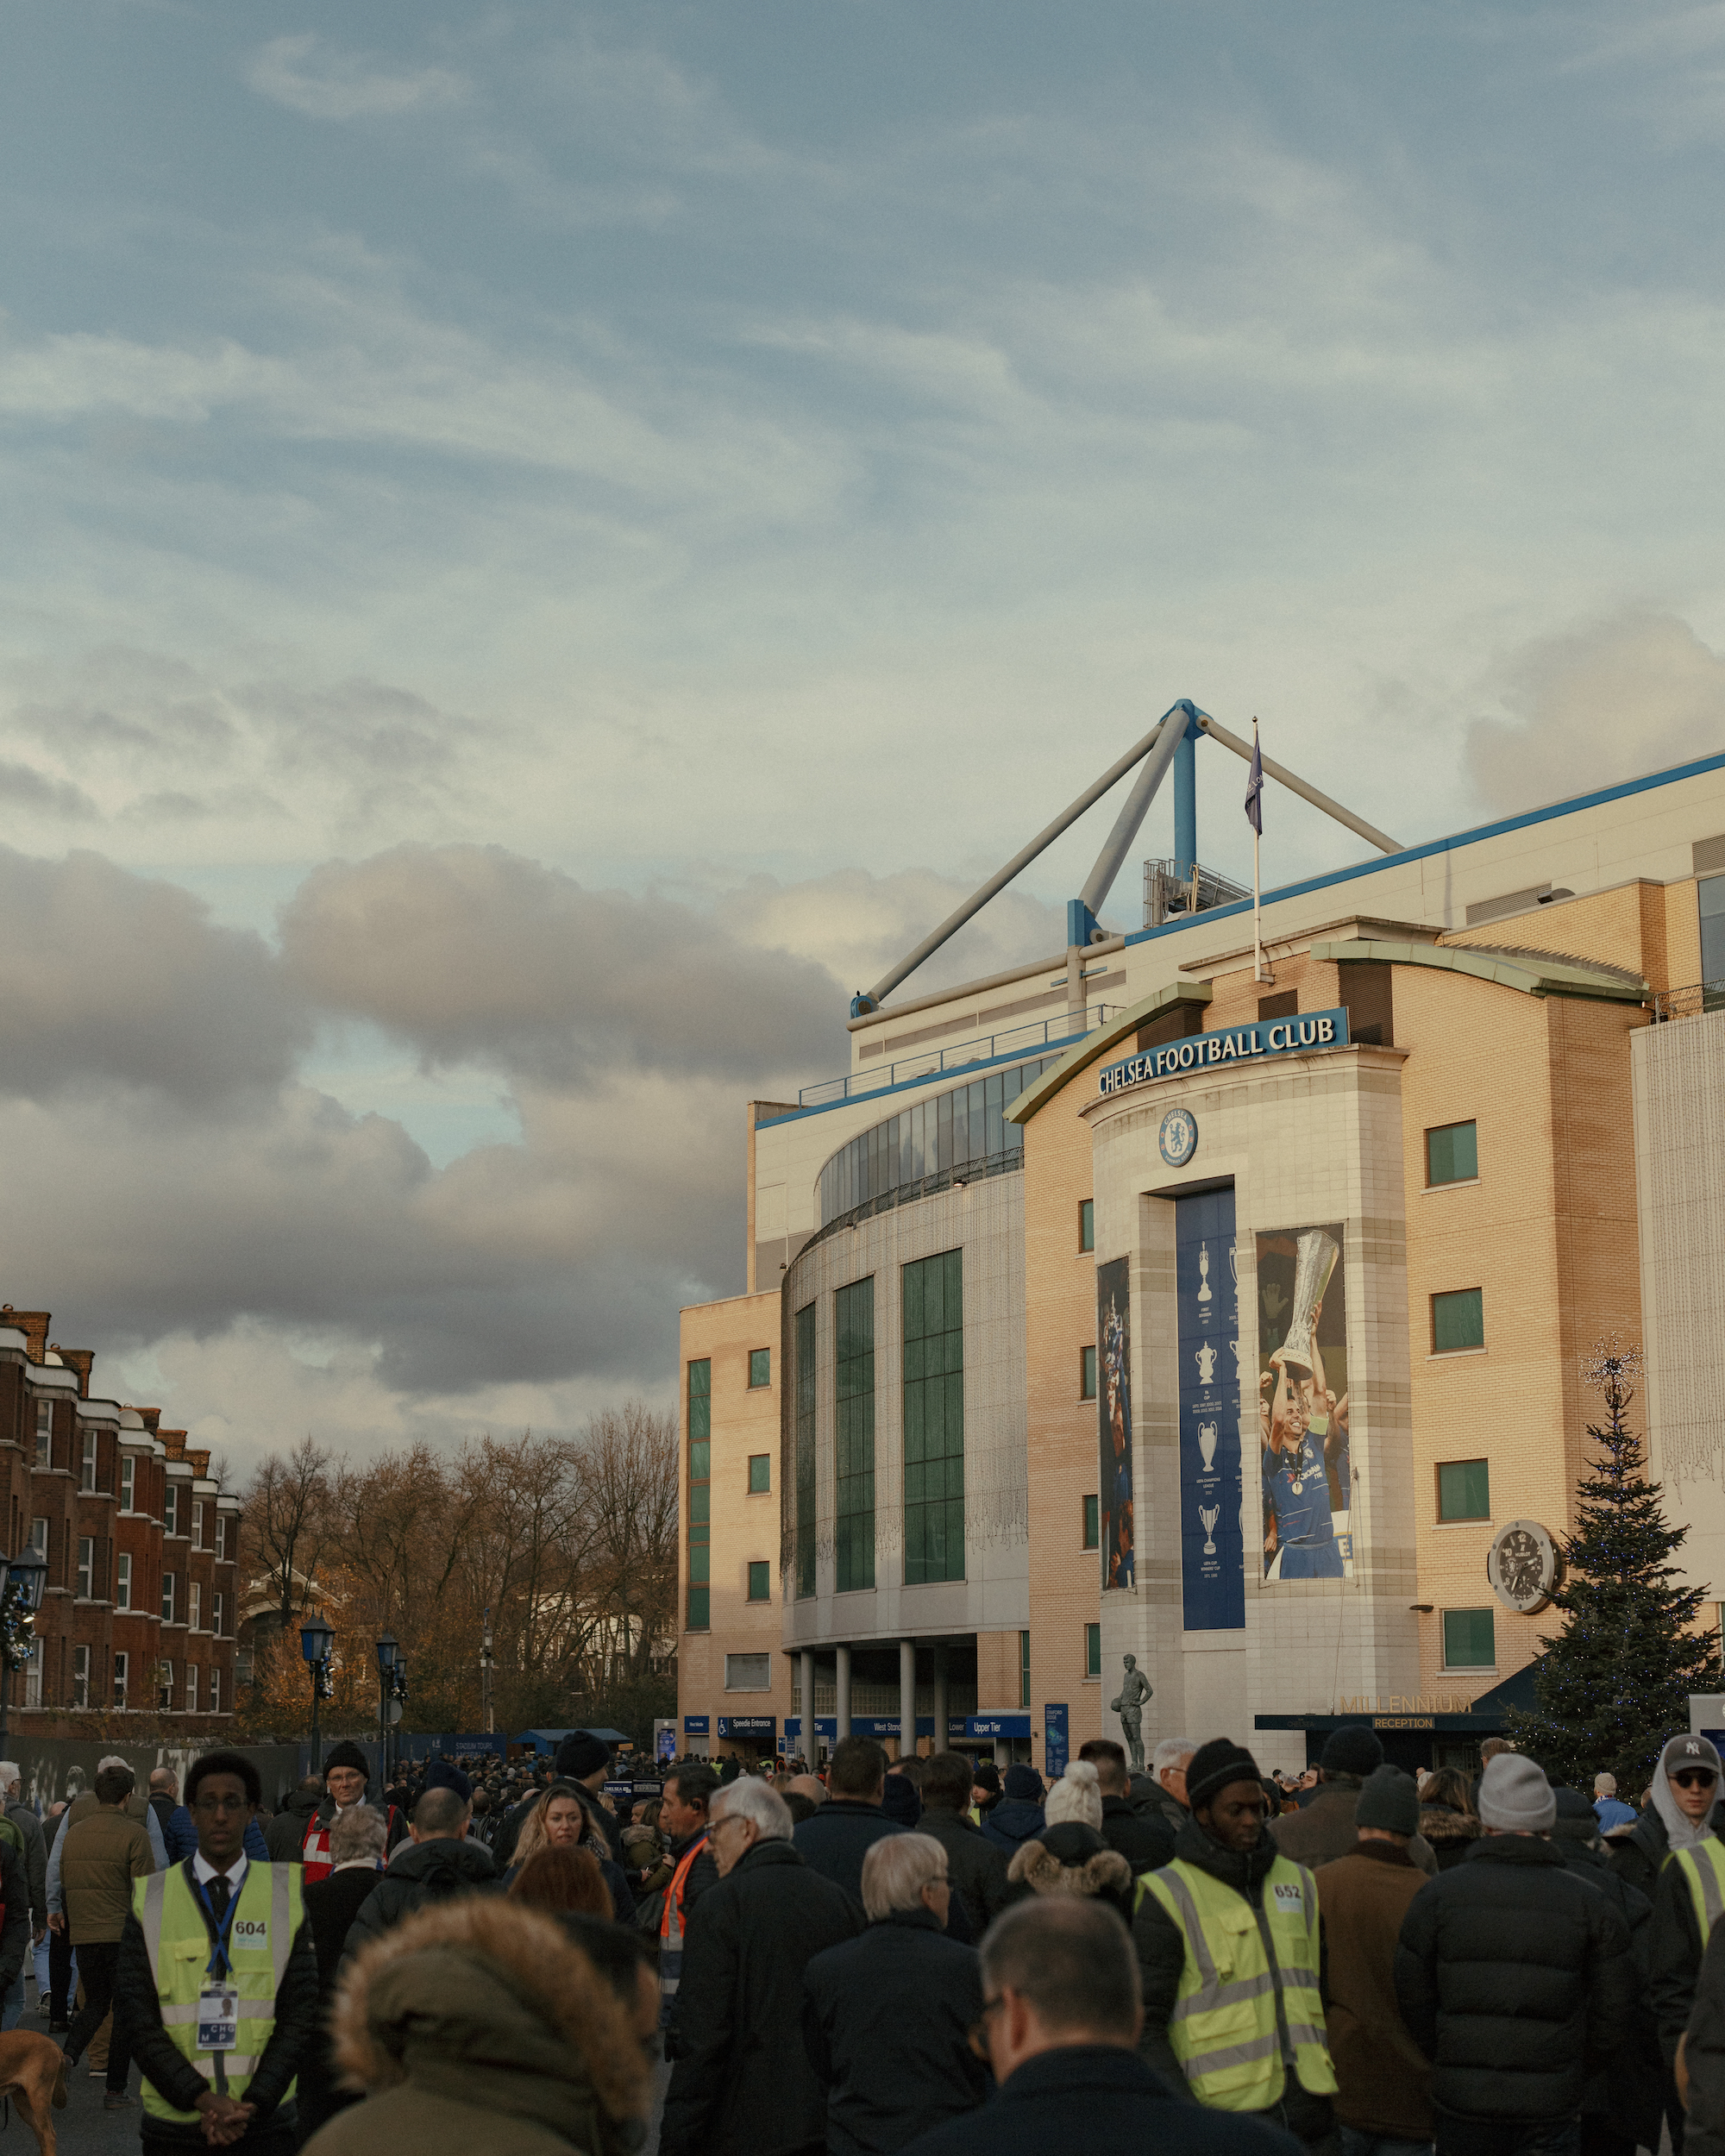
(286, 1522)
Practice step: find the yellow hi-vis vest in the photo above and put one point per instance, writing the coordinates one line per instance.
(265, 1924)
(1703, 1865)
(1223, 2029)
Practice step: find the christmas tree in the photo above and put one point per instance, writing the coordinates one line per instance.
(1615, 1682)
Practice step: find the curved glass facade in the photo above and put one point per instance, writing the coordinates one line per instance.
(968, 1124)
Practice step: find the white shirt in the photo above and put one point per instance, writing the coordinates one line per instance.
(204, 1871)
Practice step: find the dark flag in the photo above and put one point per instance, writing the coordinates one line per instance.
(1254, 789)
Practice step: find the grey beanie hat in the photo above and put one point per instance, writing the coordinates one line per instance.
(1389, 1800)
(1515, 1796)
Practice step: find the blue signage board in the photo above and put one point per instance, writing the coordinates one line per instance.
(468, 1744)
(696, 1725)
(1054, 1728)
(1229, 1044)
(997, 1725)
(666, 1741)
(1206, 1305)
(825, 1725)
(757, 1726)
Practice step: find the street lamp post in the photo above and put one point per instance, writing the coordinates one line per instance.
(21, 1580)
(388, 1653)
(487, 1658)
(316, 1639)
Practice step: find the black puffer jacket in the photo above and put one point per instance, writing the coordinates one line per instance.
(1144, 1839)
(286, 1833)
(742, 2084)
(1516, 1979)
(1639, 1857)
(1630, 2095)
(430, 1872)
(836, 1840)
(976, 1868)
(1012, 1822)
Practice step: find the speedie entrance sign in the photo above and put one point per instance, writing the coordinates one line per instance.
(1229, 1044)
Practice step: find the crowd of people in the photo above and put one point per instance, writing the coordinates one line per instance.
(930, 1955)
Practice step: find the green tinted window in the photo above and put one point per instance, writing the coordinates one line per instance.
(1087, 1224)
(700, 1496)
(1093, 1651)
(760, 1472)
(805, 1452)
(1469, 1640)
(696, 1512)
(1463, 1490)
(1024, 1669)
(1457, 1321)
(934, 1419)
(760, 1589)
(1093, 1523)
(700, 1401)
(760, 1368)
(700, 1563)
(700, 1457)
(853, 1435)
(699, 1618)
(1452, 1153)
(1087, 1373)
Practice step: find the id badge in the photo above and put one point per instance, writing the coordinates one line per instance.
(218, 2018)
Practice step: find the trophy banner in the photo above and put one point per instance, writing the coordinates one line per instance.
(1302, 1405)
(1114, 1417)
(1207, 1301)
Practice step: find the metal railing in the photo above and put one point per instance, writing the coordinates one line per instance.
(1688, 1003)
(986, 1048)
(1009, 1162)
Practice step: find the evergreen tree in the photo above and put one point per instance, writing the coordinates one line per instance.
(1615, 1682)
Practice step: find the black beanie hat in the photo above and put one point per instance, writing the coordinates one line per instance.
(444, 1774)
(581, 1755)
(1214, 1766)
(347, 1754)
(1576, 1821)
(1389, 1800)
(1352, 1749)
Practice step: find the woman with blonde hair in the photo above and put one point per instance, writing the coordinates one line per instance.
(560, 1820)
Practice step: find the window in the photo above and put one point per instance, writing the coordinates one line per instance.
(86, 1565)
(1093, 1523)
(191, 1688)
(760, 1579)
(1087, 1224)
(936, 1138)
(1457, 1321)
(700, 1474)
(1710, 892)
(168, 1598)
(39, 1538)
(33, 1677)
(1024, 1669)
(1469, 1640)
(760, 1473)
(215, 1692)
(1463, 1490)
(122, 1580)
(1452, 1154)
(171, 1510)
(86, 1480)
(197, 1523)
(1093, 1651)
(215, 1614)
(1087, 1373)
(854, 1436)
(749, 1673)
(129, 1480)
(194, 1604)
(122, 1665)
(221, 1537)
(81, 1677)
(934, 1419)
(804, 1454)
(45, 1433)
(760, 1368)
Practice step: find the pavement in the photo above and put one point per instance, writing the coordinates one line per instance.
(84, 2128)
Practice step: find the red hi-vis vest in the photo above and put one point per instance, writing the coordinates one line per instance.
(314, 1850)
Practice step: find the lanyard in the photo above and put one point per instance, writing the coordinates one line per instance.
(219, 1963)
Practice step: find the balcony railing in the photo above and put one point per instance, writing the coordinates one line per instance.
(986, 1048)
(1689, 1003)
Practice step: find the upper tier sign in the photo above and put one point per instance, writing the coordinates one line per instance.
(1230, 1044)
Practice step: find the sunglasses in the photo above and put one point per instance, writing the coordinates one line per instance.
(1694, 1777)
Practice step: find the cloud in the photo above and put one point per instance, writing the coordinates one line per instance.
(26, 787)
(309, 76)
(1596, 705)
(473, 953)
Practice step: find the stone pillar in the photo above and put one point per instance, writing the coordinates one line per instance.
(842, 1687)
(941, 1740)
(808, 1746)
(907, 1699)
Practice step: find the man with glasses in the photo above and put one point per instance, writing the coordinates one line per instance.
(1228, 1955)
(217, 1980)
(1690, 1888)
(741, 2080)
(1059, 2026)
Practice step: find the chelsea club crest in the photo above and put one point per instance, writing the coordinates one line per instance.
(1178, 1136)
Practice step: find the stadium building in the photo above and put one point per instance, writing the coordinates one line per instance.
(1220, 1300)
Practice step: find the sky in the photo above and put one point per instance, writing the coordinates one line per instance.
(543, 546)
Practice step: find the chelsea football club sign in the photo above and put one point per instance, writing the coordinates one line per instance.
(1227, 1045)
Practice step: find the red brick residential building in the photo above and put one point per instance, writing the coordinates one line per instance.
(139, 1610)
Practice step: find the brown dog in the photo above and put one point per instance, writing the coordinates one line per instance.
(33, 2073)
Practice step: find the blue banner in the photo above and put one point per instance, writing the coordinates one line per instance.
(1054, 1726)
(695, 1725)
(1114, 1422)
(997, 1725)
(1229, 1044)
(1212, 1553)
(747, 1726)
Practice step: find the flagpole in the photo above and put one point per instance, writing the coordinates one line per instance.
(1257, 889)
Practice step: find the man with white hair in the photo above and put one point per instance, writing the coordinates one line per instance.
(1169, 1762)
(736, 2041)
(890, 2013)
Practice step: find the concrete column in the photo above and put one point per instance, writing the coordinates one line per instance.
(1003, 1752)
(907, 1699)
(941, 1740)
(807, 1746)
(841, 1686)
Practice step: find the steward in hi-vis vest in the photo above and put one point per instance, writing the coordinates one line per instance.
(1228, 1954)
(1691, 1891)
(218, 1981)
